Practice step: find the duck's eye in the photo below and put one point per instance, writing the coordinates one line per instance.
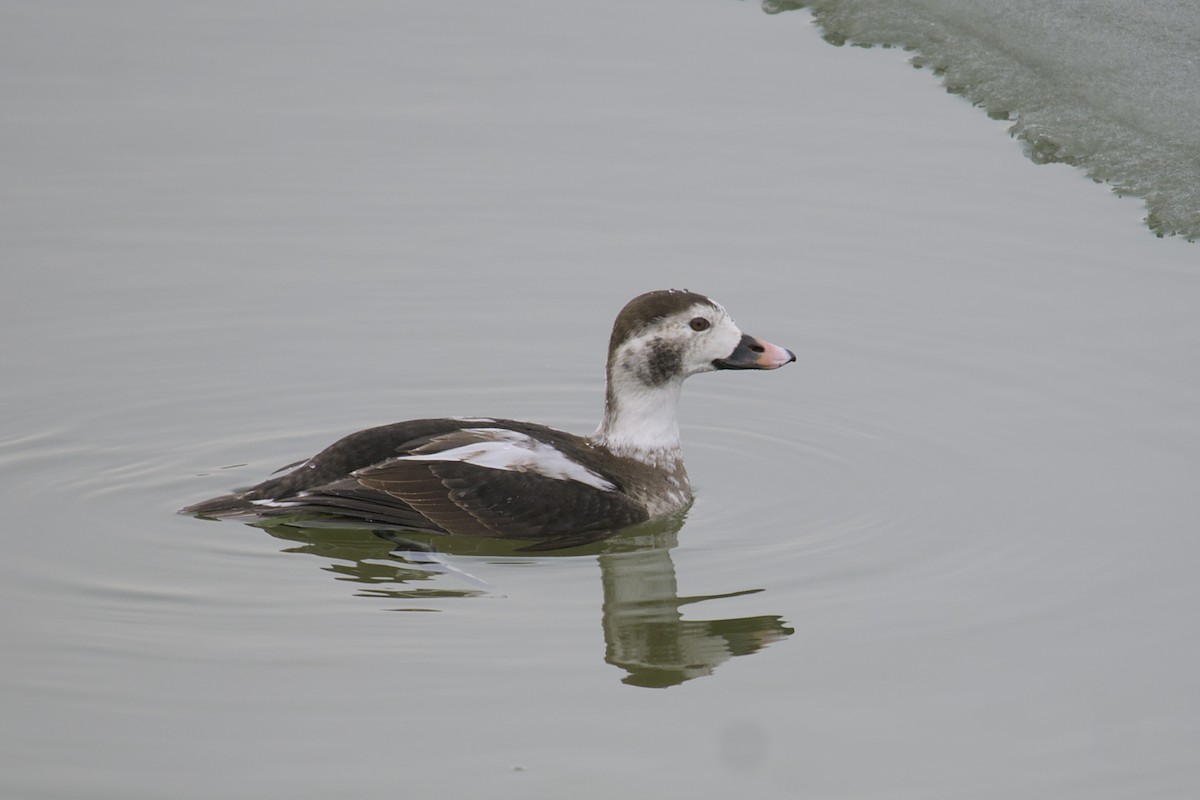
(700, 324)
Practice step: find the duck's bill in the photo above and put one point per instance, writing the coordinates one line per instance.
(754, 353)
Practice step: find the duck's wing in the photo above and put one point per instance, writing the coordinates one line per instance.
(486, 482)
(349, 498)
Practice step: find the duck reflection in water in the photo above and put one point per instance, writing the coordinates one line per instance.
(644, 631)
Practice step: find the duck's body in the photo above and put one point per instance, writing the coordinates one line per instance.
(504, 478)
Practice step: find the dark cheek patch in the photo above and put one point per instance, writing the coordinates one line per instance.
(662, 363)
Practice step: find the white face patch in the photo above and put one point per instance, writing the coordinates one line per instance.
(499, 448)
(671, 349)
(719, 341)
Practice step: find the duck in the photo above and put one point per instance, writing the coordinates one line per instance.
(503, 478)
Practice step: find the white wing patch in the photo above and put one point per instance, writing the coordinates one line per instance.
(503, 449)
(273, 503)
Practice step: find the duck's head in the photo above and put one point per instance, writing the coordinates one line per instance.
(658, 340)
(665, 336)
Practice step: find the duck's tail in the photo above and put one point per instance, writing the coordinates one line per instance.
(227, 505)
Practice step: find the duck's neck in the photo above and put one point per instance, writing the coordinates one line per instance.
(640, 421)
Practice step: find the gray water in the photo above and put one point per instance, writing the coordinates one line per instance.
(949, 553)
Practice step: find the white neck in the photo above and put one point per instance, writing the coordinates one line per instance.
(640, 421)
